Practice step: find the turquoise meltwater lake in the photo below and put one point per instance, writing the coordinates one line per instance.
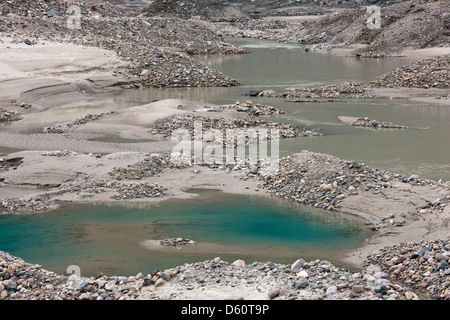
(117, 239)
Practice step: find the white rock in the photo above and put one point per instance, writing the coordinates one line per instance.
(331, 290)
(297, 265)
(110, 285)
(239, 263)
(302, 274)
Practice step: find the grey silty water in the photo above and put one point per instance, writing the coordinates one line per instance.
(282, 67)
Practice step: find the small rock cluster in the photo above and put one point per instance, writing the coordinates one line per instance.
(138, 191)
(36, 204)
(61, 128)
(60, 153)
(422, 266)
(255, 109)
(147, 167)
(7, 116)
(175, 242)
(367, 122)
(21, 104)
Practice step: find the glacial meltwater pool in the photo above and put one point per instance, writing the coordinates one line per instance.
(116, 239)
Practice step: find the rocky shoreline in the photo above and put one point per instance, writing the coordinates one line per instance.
(407, 271)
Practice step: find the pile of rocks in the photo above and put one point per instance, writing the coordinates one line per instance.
(255, 109)
(7, 116)
(168, 126)
(367, 122)
(59, 153)
(175, 242)
(138, 191)
(20, 280)
(341, 90)
(427, 73)
(21, 104)
(147, 167)
(61, 128)
(37, 204)
(322, 181)
(422, 266)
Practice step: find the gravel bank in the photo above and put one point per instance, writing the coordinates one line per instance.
(156, 50)
(218, 279)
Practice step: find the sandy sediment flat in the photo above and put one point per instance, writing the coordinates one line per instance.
(49, 73)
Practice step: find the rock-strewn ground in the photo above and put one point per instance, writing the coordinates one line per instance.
(408, 271)
(156, 49)
(426, 73)
(6, 115)
(402, 26)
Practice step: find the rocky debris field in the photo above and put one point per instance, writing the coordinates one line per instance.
(156, 49)
(322, 181)
(426, 73)
(371, 123)
(147, 167)
(6, 116)
(61, 128)
(216, 10)
(402, 26)
(422, 266)
(301, 280)
(200, 9)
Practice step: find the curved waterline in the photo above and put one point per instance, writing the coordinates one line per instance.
(112, 238)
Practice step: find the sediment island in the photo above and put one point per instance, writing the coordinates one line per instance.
(46, 64)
